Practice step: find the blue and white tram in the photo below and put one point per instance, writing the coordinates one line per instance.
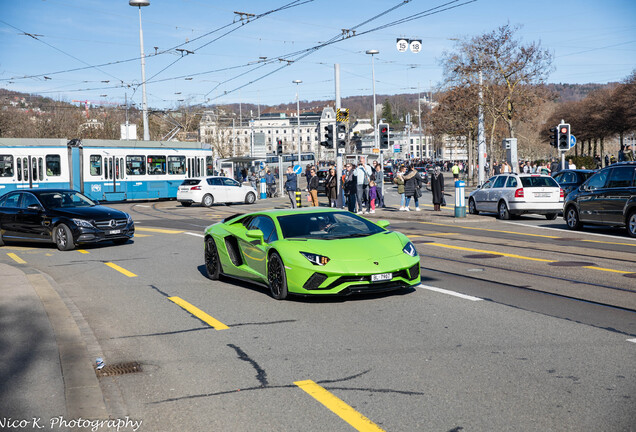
(105, 170)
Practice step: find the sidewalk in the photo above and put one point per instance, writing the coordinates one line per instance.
(45, 369)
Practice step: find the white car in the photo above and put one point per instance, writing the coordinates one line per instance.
(210, 190)
(514, 194)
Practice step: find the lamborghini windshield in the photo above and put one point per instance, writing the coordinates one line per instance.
(326, 225)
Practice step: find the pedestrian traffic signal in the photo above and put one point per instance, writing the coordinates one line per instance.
(383, 132)
(553, 137)
(341, 135)
(564, 137)
(279, 147)
(328, 141)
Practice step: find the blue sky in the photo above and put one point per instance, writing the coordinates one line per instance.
(592, 41)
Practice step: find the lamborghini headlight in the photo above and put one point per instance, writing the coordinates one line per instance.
(316, 259)
(83, 223)
(410, 250)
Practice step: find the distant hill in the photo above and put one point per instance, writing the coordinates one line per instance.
(575, 92)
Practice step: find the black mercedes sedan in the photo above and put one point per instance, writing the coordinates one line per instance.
(61, 216)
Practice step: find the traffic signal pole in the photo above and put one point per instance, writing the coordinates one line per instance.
(339, 185)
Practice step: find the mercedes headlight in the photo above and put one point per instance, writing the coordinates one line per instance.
(128, 219)
(82, 223)
(316, 259)
(410, 250)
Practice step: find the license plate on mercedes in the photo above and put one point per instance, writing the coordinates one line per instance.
(381, 277)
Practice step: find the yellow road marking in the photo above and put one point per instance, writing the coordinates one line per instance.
(143, 235)
(442, 234)
(83, 251)
(157, 230)
(413, 235)
(120, 269)
(520, 257)
(218, 325)
(337, 406)
(612, 243)
(16, 258)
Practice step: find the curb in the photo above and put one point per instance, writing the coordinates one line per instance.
(83, 394)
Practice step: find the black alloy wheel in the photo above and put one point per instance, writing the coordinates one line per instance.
(212, 261)
(472, 208)
(631, 224)
(64, 238)
(572, 218)
(277, 277)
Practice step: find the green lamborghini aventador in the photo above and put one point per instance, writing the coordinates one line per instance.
(312, 251)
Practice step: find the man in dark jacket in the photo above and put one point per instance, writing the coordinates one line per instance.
(291, 184)
(270, 180)
(350, 188)
(312, 187)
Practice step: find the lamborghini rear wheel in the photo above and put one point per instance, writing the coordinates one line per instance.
(276, 277)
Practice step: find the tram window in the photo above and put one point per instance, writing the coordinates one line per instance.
(156, 165)
(96, 165)
(19, 169)
(34, 169)
(121, 171)
(6, 166)
(53, 165)
(176, 164)
(209, 165)
(189, 170)
(135, 165)
(40, 168)
(25, 168)
(117, 170)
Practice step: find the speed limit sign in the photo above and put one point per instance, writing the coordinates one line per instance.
(402, 45)
(416, 45)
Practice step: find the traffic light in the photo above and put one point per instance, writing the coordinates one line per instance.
(279, 147)
(357, 141)
(328, 142)
(384, 136)
(564, 137)
(553, 137)
(341, 134)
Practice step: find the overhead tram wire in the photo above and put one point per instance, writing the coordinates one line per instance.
(116, 62)
(305, 52)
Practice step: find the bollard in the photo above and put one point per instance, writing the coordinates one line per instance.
(299, 199)
(263, 188)
(460, 205)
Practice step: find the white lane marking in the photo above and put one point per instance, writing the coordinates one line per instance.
(577, 233)
(631, 340)
(194, 234)
(453, 293)
(141, 205)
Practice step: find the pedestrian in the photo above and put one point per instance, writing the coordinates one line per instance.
(412, 188)
(331, 187)
(379, 180)
(455, 171)
(399, 181)
(270, 181)
(312, 187)
(373, 194)
(253, 179)
(628, 153)
(350, 188)
(291, 186)
(554, 166)
(571, 165)
(496, 168)
(362, 187)
(437, 189)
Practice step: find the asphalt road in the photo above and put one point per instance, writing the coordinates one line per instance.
(516, 326)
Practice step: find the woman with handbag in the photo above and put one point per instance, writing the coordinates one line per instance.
(437, 189)
(330, 187)
(412, 185)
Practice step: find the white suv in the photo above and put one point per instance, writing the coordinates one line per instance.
(515, 194)
(210, 190)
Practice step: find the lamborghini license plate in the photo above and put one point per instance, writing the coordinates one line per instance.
(381, 277)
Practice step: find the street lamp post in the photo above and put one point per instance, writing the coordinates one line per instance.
(139, 4)
(375, 112)
(298, 111)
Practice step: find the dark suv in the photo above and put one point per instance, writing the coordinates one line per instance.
(606, 198)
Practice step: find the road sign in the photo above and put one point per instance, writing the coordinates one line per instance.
(572, 140)
(402, 45)
(416, 45)
(262, 165)
(342, 116)
(298, 169)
